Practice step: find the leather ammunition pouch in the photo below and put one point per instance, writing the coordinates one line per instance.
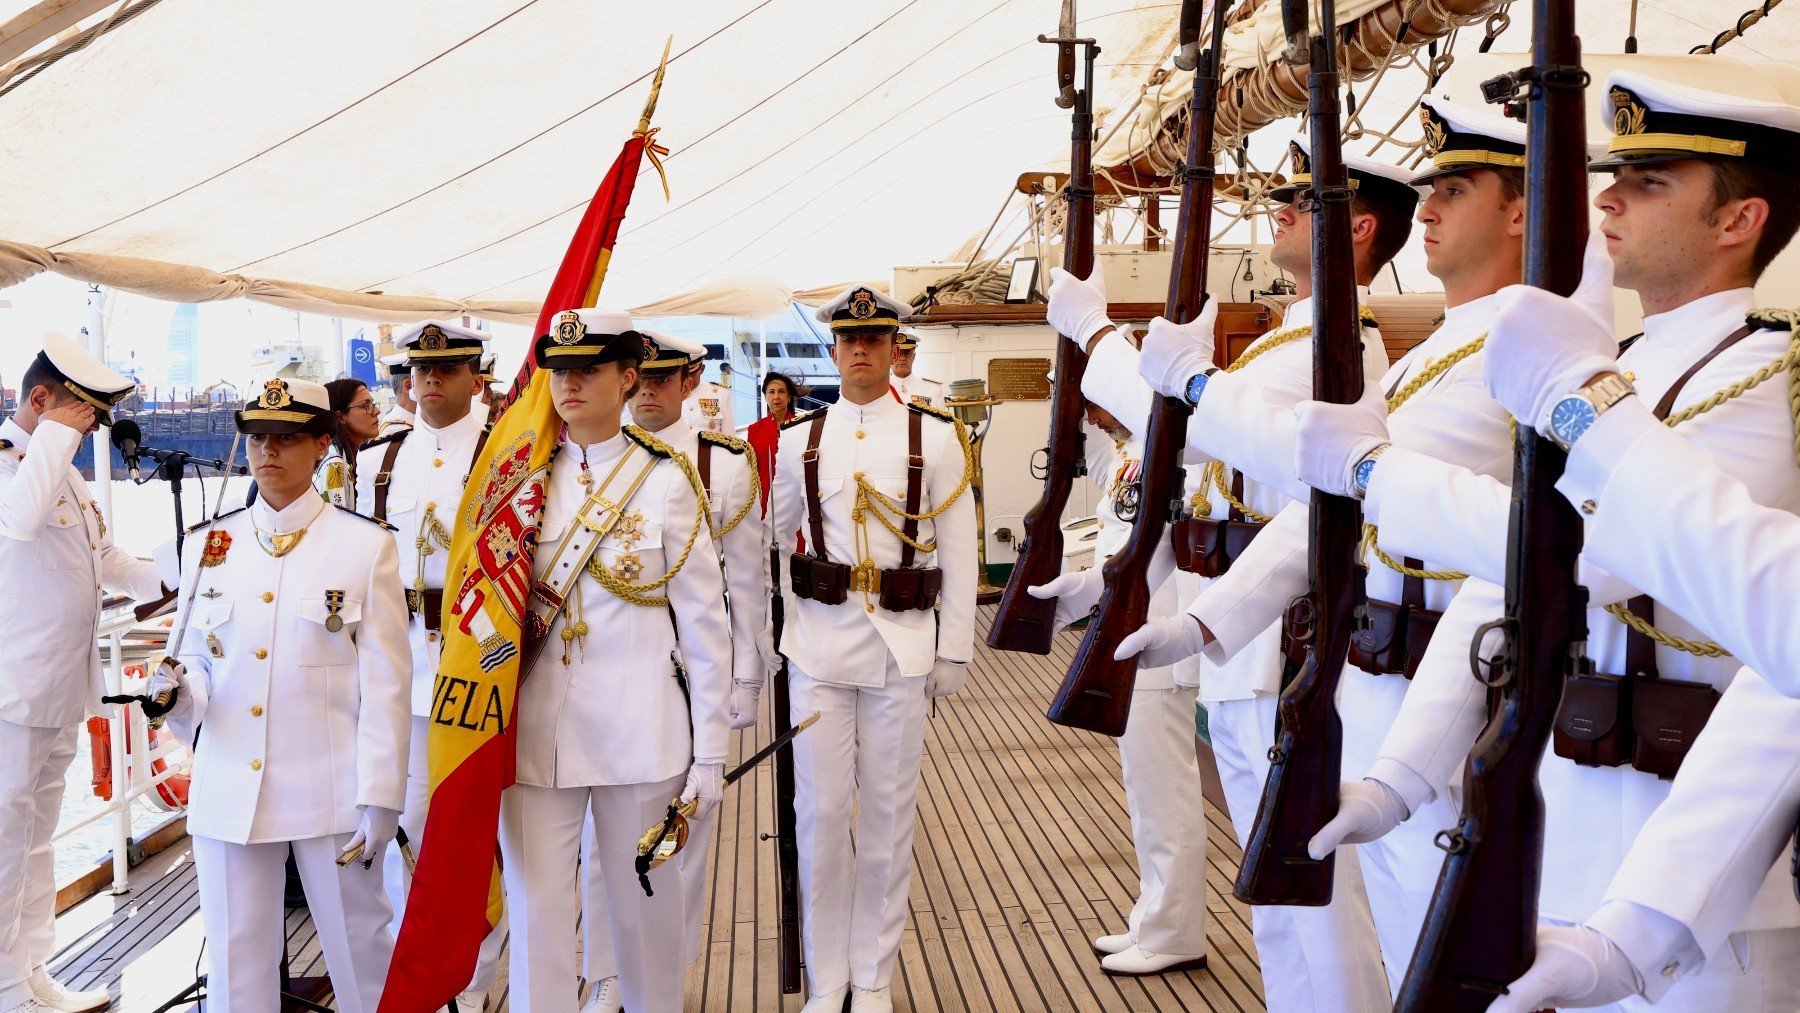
(428, 603)
(1641, 719)
(1208, 547)
(820, 580)
(1390, 639)
(903, 588)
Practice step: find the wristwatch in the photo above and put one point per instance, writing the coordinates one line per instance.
(1365, 469)
(1574, 414)
(1196, 386)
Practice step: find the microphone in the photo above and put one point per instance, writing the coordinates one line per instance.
(127, 435)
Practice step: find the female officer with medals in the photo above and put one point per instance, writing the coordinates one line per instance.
(627, 706)
(294, 670)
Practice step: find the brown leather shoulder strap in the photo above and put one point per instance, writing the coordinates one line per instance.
(1640, 650)
(1412, 589)
(1667, 403)
(810, 461)
(915, 485)
(385, 476)
(1237, 494)
(480, 443)
(704, 466)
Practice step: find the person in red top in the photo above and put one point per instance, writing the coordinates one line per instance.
(780, 396)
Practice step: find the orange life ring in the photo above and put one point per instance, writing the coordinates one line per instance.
(170, 794)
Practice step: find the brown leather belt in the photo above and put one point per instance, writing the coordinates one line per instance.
(430, 603)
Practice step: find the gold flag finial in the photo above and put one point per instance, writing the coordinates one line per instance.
(655, 88)
(652, 150)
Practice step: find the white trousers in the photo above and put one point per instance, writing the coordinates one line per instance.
(1168, 822)
(1399, 871)
(540, 840)
(241, 908)
(598, 960)
(33, 762)
(1313, 959)
(861, 757)
(395, 878)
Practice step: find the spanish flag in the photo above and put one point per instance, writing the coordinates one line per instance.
(456, 898)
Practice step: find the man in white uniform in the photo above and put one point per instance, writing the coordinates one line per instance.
(908, 388)
(413, 479)
(709, 409)
(727, 469)
(867, 649)
(404, 408)
(1166, 930)
(1322, 958)
(1687, 219)
(55, 544)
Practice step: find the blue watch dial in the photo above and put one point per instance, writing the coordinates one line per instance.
(1195, 387)
(1364, 471)
(1571, 417)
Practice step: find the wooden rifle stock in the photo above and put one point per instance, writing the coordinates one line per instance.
(787, 840)
(1024, 623)
(1481, 929)
(1301, 793)
(1096, 693)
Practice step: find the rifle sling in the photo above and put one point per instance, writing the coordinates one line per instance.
(816, 522)
(915, 481)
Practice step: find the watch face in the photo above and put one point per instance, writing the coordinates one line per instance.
(1363, 472)
(1195, 386)
(1570, 418)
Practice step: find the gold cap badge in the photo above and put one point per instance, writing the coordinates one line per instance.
(862, 304)
(569, 328)
(1435, 133)
(275, 395)
(1628, 112)
(432, 339)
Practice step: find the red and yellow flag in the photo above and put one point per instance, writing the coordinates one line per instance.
(456, 898)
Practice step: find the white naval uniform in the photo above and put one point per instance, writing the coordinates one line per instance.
(1456, 519)
(56, 559)
(1156, 753)
(335, 480)
(299, 727)
(916, 389)
(745, 557)
(709, 407)
(612, 734)
(429, 473)
(1312, 958)
(394, 417)
(863, 669)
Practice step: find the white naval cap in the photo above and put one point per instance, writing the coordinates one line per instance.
(441, 343)
(396, 364)
(1717, 109)
(83, 375)
(1370, 177)
(1459, 138)
(589, 337)
(286, 405)
(672, 351)
(861, 306)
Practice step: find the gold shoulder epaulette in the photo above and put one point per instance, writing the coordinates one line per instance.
(1368, 318)
(6, 444)
(925, 409)
(221, 517)
(397, 434)
(365, 517)
(735, 444)
(802, 417)
(1773, 320)
(648, 442)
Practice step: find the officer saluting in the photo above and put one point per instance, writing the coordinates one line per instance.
(56, 544)
(413, 480)
(884, 620)
(728, 474)
(294, 671)
(626, 708)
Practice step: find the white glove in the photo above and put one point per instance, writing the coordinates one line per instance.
(705, 786)
(1543, 347)
(1164, 641)
(1330, 440)
(374, 832)
(171, 677)
(1075, 593)
(1078, 305)
(945, 677)
(1173, 353)
(765, 646)
(1575, 967)
(744, 697)
(1367, 810)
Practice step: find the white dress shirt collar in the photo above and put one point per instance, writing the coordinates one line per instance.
(1704, 320)
(305, 509)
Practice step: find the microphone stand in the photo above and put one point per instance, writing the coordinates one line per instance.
(172, 467)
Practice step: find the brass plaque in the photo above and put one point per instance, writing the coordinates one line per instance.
(1019, 379)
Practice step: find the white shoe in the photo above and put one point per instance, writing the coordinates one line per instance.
(472, 1000)
(1105, 945)
(1139, 961)
(829, 1002)
(870, 1000)
(606, 997)
(51, 995)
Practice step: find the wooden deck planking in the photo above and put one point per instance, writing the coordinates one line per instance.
(1022, 855)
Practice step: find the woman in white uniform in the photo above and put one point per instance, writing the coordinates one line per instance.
(294, 670)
